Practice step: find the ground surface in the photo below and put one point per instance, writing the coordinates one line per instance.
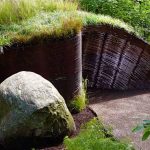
(123, 111)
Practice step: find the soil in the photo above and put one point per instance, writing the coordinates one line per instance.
(79, 118)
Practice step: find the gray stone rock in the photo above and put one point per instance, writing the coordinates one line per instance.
(30, 106)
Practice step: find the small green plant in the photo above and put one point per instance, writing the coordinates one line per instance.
(95, 136)
(145, 126)
(79, 102)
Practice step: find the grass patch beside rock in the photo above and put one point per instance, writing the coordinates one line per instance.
(95, 136)
(79, 102)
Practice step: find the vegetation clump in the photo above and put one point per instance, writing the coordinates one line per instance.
(95, 136)
(79, 102)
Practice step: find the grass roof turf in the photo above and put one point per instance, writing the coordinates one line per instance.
(48, 22)
(17, 10)
(93, 19)
(57, 24)
(40, 27)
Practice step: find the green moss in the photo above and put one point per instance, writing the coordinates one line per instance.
(95, 136)
(52, 121)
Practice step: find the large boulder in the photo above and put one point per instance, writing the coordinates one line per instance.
(31, 107)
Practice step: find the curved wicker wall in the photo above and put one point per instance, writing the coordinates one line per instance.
(59, 61)
(115, 59)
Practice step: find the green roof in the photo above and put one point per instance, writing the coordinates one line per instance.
(49, 22)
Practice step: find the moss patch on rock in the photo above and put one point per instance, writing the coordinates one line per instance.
(53, 120)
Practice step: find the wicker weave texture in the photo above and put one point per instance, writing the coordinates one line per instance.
(57, 60)
(115, 59)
